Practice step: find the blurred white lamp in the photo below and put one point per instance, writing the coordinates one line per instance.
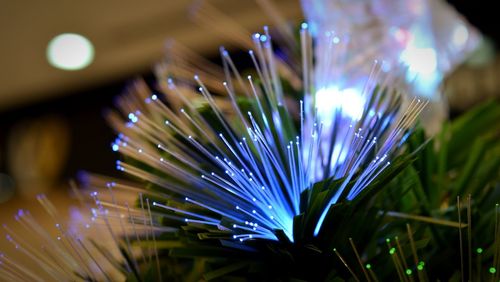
(70, 51)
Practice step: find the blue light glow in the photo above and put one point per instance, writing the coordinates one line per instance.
(252, 180)
(133, 118)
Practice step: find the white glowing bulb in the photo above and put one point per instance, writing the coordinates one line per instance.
(421, 61)
(70, 51)
(330, 99)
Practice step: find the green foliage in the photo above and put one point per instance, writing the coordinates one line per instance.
(404, 225)
(463, 161)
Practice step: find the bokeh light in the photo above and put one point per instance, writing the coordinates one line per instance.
(70, 51)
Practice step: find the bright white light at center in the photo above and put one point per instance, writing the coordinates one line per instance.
(70, 51)
(422, 69)
(329, 99)
(421, 61)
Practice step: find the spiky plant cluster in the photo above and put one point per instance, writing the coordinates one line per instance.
(257, 177)
(63, 252)
(277, 173)
(239, 165)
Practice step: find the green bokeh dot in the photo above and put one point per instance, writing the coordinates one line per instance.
(392, 251)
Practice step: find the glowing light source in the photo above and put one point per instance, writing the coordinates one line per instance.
(70, 51)
(254, 179)
(349, 100)
(421, 61)
(423, 69)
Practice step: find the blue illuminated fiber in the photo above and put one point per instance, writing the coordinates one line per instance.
(244, 170)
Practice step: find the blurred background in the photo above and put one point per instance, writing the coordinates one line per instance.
(51, 114)
(51, 118)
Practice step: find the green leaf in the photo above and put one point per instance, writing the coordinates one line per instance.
(225, 270)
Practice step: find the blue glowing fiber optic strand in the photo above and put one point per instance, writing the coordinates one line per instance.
(247, 167)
